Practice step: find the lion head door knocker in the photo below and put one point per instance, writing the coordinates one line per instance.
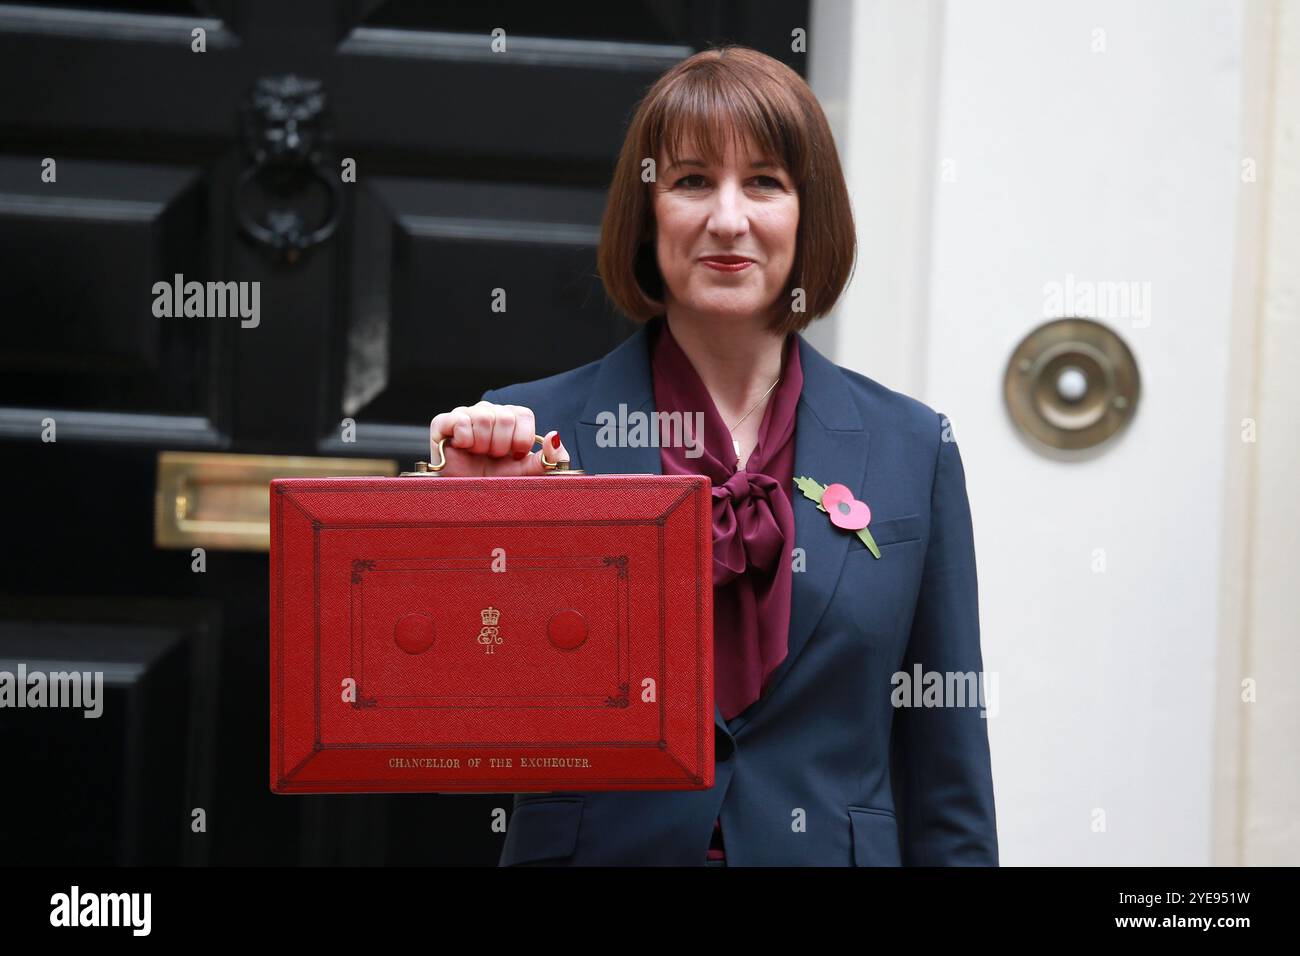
(1071, 384)
(490, 636)
(284, 134)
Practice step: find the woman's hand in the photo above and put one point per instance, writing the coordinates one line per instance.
(491, 440)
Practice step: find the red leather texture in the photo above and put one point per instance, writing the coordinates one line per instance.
(496, 635)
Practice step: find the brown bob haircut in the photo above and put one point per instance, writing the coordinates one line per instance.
(738, 94)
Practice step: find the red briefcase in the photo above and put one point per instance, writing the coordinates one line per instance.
(438, 634)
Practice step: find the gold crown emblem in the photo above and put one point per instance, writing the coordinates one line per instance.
(490, 616)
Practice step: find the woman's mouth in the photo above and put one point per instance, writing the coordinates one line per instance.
(727, 263)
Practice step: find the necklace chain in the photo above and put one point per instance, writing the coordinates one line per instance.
(732, 428)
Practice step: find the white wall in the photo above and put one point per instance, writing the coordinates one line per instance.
(1114, 165)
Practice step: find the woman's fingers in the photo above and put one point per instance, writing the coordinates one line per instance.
(520, 441)
(455, 426)
(483, 418)
(552, 449)
(493, 440)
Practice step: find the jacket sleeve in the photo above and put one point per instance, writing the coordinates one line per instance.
(940, 755)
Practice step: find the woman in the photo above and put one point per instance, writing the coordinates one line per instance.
(728, 229)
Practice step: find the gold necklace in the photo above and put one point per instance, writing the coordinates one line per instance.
(732, 428)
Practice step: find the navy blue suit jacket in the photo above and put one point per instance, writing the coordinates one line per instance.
(823, 770)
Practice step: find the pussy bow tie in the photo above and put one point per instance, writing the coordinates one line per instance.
(746, 532)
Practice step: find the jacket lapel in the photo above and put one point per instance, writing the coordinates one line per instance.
(830, 446)
(623, 379)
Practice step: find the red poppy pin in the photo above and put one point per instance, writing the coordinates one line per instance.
(844, 510)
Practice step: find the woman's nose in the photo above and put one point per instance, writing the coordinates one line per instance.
(729, 215)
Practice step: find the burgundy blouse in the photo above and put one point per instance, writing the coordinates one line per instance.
(753, 522)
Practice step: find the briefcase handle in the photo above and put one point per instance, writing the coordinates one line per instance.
(552, 467)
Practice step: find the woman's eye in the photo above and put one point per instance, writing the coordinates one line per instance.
(696, 181)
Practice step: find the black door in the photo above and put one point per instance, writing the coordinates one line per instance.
(349, 182)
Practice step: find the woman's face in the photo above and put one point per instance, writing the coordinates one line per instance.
(724, 234)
